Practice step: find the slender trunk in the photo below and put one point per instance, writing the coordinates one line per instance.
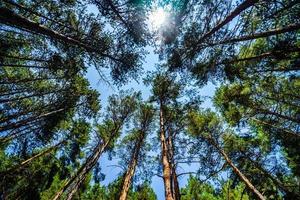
(18, 133)
(237, 171)
(274, 179)
(177, 195)
(24, 122)
(295, 134)
(277, 31)
(131, 168)
(26, 80)
(165, 159)
(19, 6)
(75, 181)
(29, 96)
(23, 58)
(263, 55)
(268, 112)
(243, 6)
(8, 16)
(175, 184)
(43, 153)
(21, 66)
(39, 111)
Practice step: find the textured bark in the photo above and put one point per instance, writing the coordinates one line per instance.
(174, 180)
(177, 195)
(73, 183)
(131, 169)
(237, 171)
(165, 160)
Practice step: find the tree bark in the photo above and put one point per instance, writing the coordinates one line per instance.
(243, 6)
(237, 171)
(43, 153)
(21, 123)
(274, 179)
(277, 31)
(131, 169)
(8, 16)
(165, 159)
(74, 182)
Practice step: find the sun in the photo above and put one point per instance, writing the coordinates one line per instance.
(157, 18)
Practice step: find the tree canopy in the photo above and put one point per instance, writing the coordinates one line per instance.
(160, 125)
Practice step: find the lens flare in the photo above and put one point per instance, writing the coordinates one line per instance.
(157, 18)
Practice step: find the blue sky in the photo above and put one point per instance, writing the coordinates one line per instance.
(106, 90)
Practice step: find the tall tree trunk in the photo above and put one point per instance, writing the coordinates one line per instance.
(277, 31)
(237, 171)
(176, 190)
(165, 160)
(274, 179)
(74, 182)
(243, 6)
(131, 168)
(24, 122)
(31, 95)
(26, 80)
(8, 16)
(43, 153)
(175, 184)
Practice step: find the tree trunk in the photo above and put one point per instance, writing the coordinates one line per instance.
(43, 153)
(176, 190)
(237, 171)
(26, 80)
(131, 169)
(274, 179)
(8, 16)
(174, 180)
(243, 6)
(21, 123)
(32, 95)
(80, 175)
(165, 159)
(277, 31)
(75, 181)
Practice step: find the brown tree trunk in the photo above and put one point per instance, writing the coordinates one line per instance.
(177, 195)
(274, 179)
(243, 6)
(237, 171)
(43, 153)
(75, 181)
(174, 180)
(8, 16)
(80, 175)
(277, 31)
(24, 122)
(165, 160)
(131, 168)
